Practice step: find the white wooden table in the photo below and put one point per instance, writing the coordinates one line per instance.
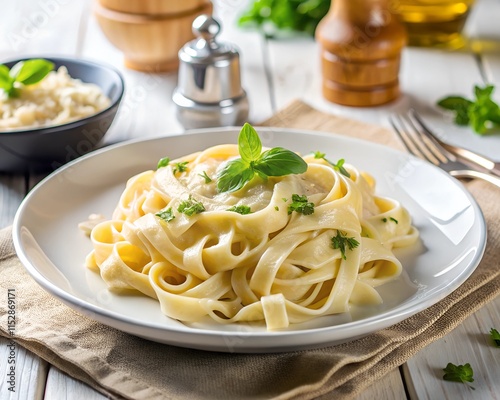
(274, 73)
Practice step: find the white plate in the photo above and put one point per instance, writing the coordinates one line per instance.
(53, 249)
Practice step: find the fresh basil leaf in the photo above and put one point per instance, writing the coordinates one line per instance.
(234, 176)
(6, 81)
(483, 92)
(494, 116)
(279, 161)
(14, 70)
(31, 71)
(249, 144)
(163, 162)
(454, 103)
(481, 113)
(462, 116)
(274, 162)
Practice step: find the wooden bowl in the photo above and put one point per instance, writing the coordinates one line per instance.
(149, 42)
(153, 7)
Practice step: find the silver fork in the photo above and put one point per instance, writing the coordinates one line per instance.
(420, 145)
(474, 158)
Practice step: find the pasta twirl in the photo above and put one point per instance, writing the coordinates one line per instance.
(269, 264)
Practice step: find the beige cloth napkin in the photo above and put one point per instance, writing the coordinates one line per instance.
(124, 366)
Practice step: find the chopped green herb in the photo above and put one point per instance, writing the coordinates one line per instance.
(301, 205)
(495, 336)
(384, 219)
(481, 113)
(206, 177)
(394, 220)
(338, 166)
(341, 241)
(191, 206)
(163, 162)
(284, 199)
(274, 162)
(276, 208)
(180, 166)
(166, 215)
(458, 373)
(241, 209)
(25, 73)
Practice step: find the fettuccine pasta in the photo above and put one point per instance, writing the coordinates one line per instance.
(175, 238)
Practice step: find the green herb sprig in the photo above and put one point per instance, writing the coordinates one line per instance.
(301, 205)
(180, 167)
(458, 373)
(206, 177)
(274, 162)
(481, 113)
(495, 336)
(338, 166)
(341, 242)
(274, 16)
(23, 73)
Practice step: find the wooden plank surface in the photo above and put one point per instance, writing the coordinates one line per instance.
(468, 343)
(62, 386)
(30, 373)
(390, 387)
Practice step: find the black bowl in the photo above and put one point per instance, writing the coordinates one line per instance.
(47, 148)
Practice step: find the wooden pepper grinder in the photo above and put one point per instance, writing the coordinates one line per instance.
(361, 43)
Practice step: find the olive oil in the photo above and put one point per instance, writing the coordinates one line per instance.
(435, 23)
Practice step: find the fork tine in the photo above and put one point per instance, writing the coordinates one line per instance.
(430, 145)
(403, 126)
(399, 133)
(425, 130)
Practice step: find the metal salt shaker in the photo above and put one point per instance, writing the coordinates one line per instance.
(209, 91)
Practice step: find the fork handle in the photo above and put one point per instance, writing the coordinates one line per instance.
(467, 173)
(492, 166)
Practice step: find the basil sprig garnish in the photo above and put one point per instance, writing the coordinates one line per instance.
(25, 73)
(274, 162)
